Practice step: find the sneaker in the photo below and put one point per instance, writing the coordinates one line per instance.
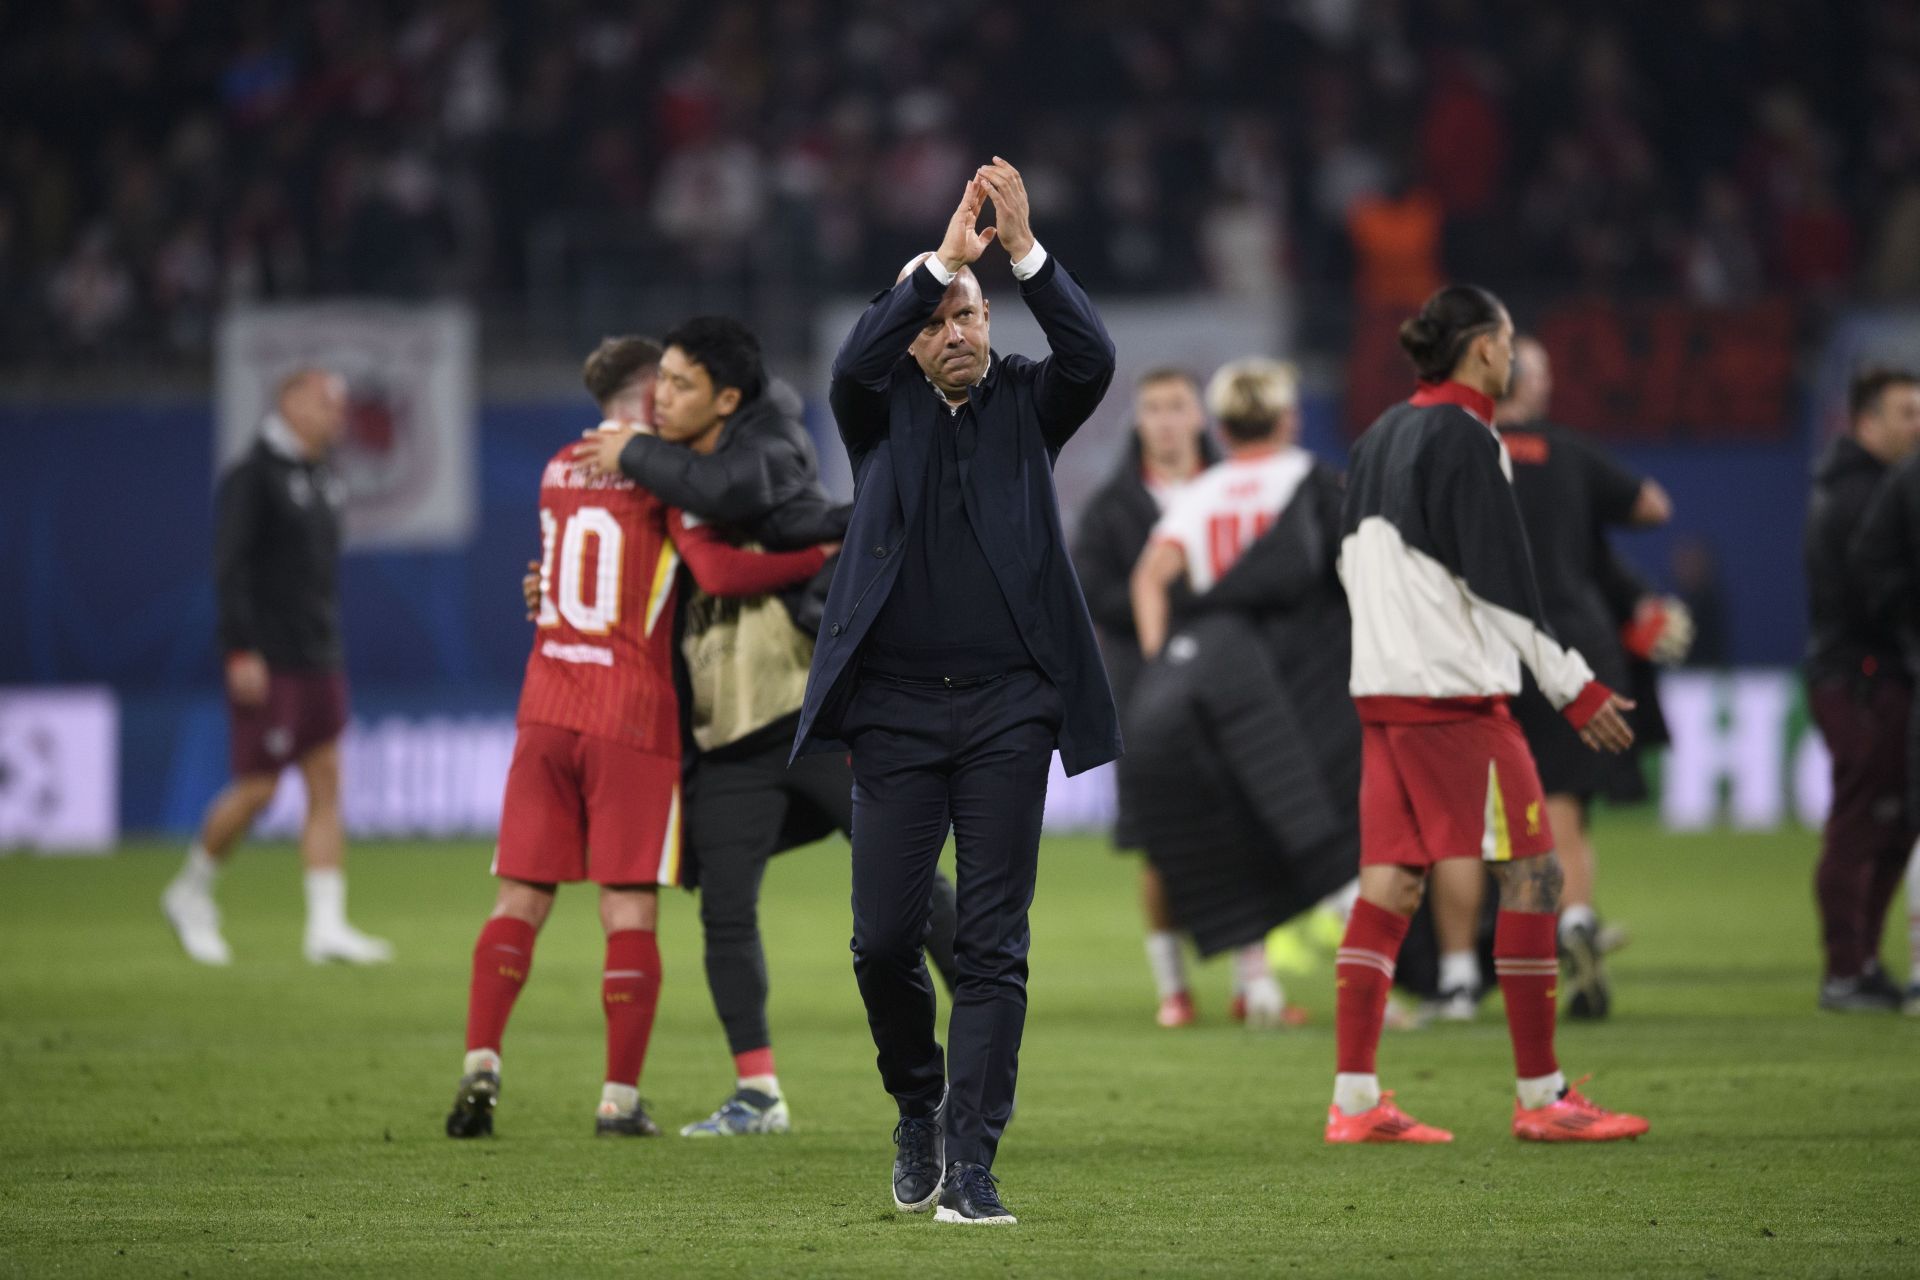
(1584, 975)
(919, 1160)
(347, 945)
(1454, 1004)
(1910, 1004)
(473, 1103)
(1574, 1119)
(196, 921)
(747, 1111)
(1873, 978)
(1385, 1123)
(1177, 1011)
(972, 1196)
(1857, 995)
(611, 1122)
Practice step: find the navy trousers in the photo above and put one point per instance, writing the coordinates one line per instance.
(929, 757)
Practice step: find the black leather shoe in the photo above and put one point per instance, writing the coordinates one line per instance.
(919, 1160)
(972, 1196)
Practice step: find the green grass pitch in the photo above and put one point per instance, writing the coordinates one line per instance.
(158, 1119)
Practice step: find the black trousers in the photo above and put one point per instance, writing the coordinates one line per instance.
(744, 804)
(973, 759)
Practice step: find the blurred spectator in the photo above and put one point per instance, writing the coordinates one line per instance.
(92, 291)
(1396, 247)
(482, 146)
(1720, 261)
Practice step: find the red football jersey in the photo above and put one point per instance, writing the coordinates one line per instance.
(602, 660)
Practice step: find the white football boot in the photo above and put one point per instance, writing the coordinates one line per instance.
(346, 944)
(196, 920)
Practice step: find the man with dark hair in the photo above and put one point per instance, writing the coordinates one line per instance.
(760, 478)
(1446, 610)
(277, 567)
(1168, 447)
(594, 790)
(717, 453)
(1860, 548)
(957, 654)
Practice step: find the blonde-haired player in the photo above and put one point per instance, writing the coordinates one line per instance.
(1203, 532)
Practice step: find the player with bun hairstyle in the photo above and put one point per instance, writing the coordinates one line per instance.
(1445, 608)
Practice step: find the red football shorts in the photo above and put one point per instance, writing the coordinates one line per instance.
(1456, 789)
(303, 710)
(580, 807)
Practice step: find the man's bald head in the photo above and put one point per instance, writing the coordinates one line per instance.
(951, 347)
(313, 401)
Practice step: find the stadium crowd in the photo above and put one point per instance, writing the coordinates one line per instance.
(159, 158)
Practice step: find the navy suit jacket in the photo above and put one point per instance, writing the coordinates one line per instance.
(1027, 410)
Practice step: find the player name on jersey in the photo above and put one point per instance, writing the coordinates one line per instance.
(562, 473)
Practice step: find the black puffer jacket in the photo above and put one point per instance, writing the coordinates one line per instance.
(1245, 760)
(762, 482)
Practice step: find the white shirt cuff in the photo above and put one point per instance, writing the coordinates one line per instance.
(1029, 267)
(939, 270)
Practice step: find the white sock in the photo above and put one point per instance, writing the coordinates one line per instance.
(1576, 915)
(326, 900)
(619, 1098)
(769, 1085)
(1250, 965)
(481, 1060)
(199, 871)
(1164, 958)
(1541, 1091)
(1354, 1092)
(1460, 970)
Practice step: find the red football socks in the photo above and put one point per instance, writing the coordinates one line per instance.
(501, 959)
(630, 989)
(1363, 974)
(1525, 958)
(754, 1062)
